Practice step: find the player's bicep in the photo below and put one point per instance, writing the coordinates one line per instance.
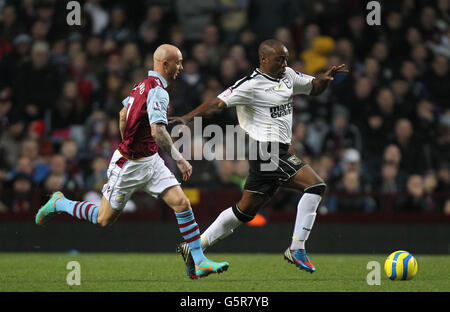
(123, 113)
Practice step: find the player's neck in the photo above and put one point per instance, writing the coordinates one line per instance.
(265, 72)
(161, 72)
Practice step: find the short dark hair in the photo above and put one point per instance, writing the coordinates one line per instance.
(267, 46)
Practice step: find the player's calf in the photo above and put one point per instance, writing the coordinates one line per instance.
(58, 204)
(107, 215)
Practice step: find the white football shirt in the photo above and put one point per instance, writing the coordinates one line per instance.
(264, 104)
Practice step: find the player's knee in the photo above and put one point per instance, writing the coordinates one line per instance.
(318, 189)
(241, 215)
(104, 222)
(182, 204)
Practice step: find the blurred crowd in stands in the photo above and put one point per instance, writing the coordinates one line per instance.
(378, 136)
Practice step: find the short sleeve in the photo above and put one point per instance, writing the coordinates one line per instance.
(241, 93)
(302, 83)
(157, 103)
(125, 101)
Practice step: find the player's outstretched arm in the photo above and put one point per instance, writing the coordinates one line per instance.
(322, 81)
(205, 109)
(163, 139)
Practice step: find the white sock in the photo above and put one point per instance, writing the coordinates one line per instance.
(306, 214)
(223, 226)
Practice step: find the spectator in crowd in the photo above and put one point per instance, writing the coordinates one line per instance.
(11, 140)
(10, 63)
(387, 186)
(53, 183)
(233, 17)
(97, 178)
(194, 17)
(414, 200)
(434, 78)
(10, 27)
(351, 161)
(389, 181)
(37, 132)
(413, 158)
(5, 108)
(299, 140)
(191, 86)
(95, 57)
(59, 172)
(239, 177)
(225, 171)
(21, 198)
(30, 150)
(69, 109)
(392, 155)
(443, 186)
(118, 29)
(41, 81)
(342, 134)
(215, 51)
(266, 16)
(350, 196)
(358, 100)
(386, 108)
(69, 150)
(86, 81)
(443, 137)
(131, 57)
(59, 56)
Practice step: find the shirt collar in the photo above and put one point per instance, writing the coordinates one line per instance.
(267, 76)
(158, 75)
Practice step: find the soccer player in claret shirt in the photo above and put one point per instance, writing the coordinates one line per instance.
(263, 103)
(136, 165)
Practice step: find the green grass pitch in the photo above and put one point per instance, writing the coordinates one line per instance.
(155, 272)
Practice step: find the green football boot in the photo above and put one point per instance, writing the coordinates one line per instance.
(207, 267)
(48, 210)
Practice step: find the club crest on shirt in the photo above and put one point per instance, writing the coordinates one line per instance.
(287, 82)
(157, 105)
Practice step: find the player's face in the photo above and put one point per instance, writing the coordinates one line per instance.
(277, 61)
(175, 65)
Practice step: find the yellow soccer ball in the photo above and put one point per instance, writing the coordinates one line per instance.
(400, 265)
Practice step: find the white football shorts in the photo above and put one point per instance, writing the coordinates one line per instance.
(125, 177)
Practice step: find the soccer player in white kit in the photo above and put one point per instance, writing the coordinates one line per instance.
(136, 164)
(263, 103)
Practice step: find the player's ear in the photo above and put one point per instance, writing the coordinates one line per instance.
(165, 64)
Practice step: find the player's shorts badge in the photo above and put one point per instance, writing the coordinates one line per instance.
(120, 198)
(294, 160)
